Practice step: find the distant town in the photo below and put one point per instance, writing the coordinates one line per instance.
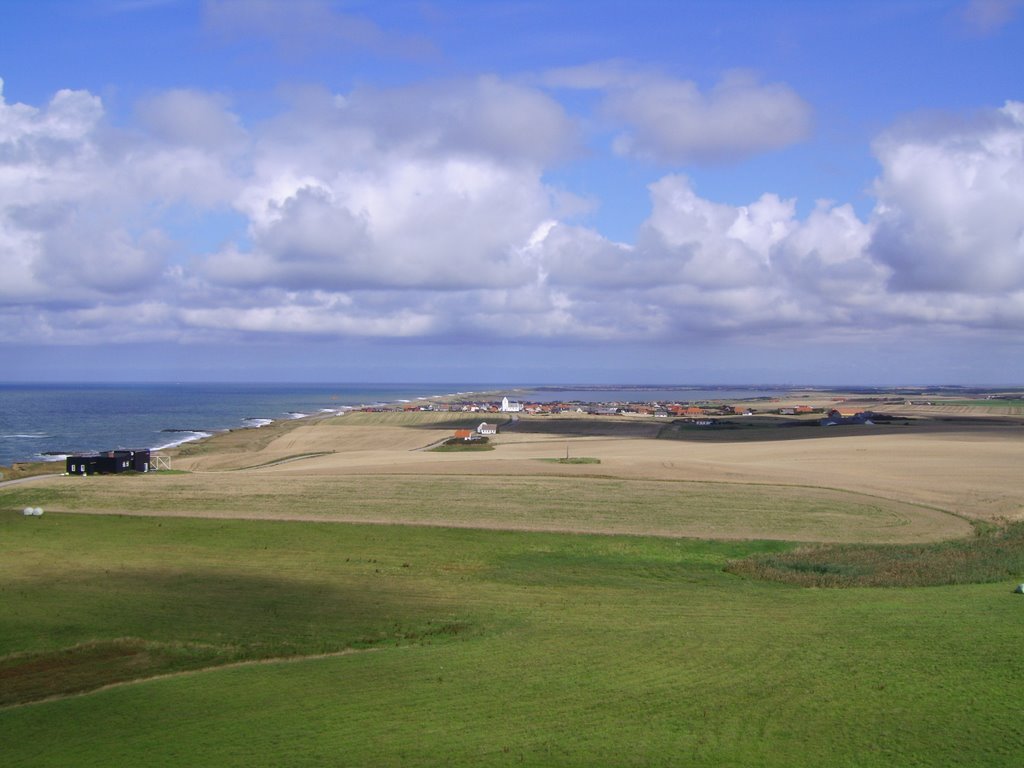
(703, 412)
(829, 409)
(655, 408)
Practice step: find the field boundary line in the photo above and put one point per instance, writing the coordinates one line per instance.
(680, 481)
(472, 526)
(276, 462)
(190, 673)
(20, 480)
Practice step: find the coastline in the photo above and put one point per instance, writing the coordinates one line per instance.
(334, 412)
(44, 432)
(46, 423)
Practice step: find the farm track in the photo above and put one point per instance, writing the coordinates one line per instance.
(284, 460)
(21, 480)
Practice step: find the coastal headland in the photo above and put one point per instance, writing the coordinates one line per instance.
(745, 586)
(920, 471)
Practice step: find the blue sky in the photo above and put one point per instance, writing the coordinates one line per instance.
(598, 192)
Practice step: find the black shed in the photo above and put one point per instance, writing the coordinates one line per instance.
(109, 462)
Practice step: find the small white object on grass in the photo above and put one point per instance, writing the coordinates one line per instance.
(1020, 589)
(32, 511)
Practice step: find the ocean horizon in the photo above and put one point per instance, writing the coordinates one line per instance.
(47, 421)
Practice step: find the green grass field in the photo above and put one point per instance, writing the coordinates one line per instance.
(994, 553)
(476, 647)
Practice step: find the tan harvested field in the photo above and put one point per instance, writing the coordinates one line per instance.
(940, 409)
(550, 503)
(970, 469)
(893, 483)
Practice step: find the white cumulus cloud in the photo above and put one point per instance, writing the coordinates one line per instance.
(426, 213)
(673, 121)
(950, 213)
(436, 188)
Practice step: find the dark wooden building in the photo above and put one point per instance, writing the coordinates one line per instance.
(109, 462)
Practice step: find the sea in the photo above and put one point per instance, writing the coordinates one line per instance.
(49, 421)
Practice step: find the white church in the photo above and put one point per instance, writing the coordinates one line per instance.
(510, 406)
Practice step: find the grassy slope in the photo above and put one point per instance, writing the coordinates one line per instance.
(30, 469)
(428, 419)
(494, 648)
(995, 553)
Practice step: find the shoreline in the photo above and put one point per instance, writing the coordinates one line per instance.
(199, 434)
(324, 413)
(171, 438)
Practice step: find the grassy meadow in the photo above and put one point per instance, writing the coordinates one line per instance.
(472, 647)
(327, 593)
(992, 554)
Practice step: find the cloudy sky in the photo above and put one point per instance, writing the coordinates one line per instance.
(515, 191)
